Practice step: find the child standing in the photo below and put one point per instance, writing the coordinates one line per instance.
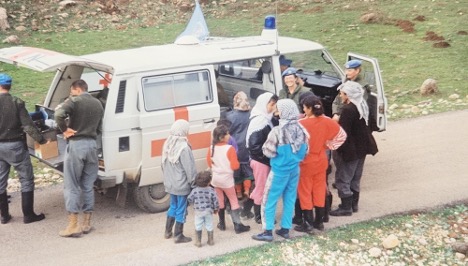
(205, 203)
(178, 166)
(223, 161)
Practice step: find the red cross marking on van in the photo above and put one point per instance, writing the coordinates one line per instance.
(106, 80)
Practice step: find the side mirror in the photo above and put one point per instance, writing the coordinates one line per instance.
(266, 67)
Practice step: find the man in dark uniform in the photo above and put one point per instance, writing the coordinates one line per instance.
(14, 121)
(81, 159)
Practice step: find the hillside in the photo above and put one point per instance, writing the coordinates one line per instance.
(59, 16)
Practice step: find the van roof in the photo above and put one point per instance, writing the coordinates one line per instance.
(212, 51)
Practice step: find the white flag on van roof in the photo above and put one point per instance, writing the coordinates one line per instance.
(196, 30)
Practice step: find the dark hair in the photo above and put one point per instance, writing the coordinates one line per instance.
(6, 86)
(218, 134)
(80, 84)
(274, 98)
(224, 122)
(203, 179)
(315, 103)
(302, 96)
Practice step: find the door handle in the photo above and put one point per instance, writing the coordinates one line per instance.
(135, 128)
(209, 121)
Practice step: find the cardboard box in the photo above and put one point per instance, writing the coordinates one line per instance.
(49, 134)
(46, 151)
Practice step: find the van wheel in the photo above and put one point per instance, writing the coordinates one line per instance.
(151, 198)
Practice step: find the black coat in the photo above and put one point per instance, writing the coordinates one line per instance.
(360, 141)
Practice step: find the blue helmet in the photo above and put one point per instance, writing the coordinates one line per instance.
(5, 79)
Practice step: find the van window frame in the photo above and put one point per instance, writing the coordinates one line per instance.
(174, 78)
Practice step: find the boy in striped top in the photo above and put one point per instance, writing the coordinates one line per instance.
(205, 203)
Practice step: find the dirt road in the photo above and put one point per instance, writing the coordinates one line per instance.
(422, 163)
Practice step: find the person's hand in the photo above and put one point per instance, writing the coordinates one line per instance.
(215, 212)
(336, 117)
(69, 133)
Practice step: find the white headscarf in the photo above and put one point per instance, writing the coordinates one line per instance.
(241, 101)
(355, 94)
(176, 142)
(259, 116)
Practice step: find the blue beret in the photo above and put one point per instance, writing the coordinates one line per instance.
(289, 71)
(5, 79)
(353, 64)
(284, 61)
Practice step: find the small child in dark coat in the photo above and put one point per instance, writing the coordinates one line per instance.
(205, 204)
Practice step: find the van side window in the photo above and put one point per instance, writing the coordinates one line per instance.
(245, 69)
(182, 89)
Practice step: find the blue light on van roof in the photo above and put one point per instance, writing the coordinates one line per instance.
(270, 22)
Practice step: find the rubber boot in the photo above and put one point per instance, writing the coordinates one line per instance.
(344, 209)
(257, 213)
(73, 229)
(210, 238)
(222, 222)
(298, 217)
(86, 225)
(169, 225)
(5, 213)
(27, 203)
(306, 226)
(246, 212)
(318, 222)
(328, 204)
(238, 226)
(355, 203)
(179, 234)
(198, 235)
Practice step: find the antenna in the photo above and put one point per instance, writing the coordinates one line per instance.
(277, 32)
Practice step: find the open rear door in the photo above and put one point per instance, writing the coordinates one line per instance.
(43, 60)
(377, 101)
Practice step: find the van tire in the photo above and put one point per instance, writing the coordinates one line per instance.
(151, 198)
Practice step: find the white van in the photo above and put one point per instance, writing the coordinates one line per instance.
(151, 87)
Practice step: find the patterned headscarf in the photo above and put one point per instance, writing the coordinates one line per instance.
(291, 132)
(355, 93)
(241, 101)
(176, 142)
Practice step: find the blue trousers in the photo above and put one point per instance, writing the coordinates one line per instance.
(204, 218)
(16, 154)
(178, 208)
(80, 171)
(279, 185)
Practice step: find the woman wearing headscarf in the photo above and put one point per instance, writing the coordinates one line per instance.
(178, 166)
(259, 127)
(286, 147)
(349, 158)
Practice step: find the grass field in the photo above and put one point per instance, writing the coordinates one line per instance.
(405, 58)
(423, 239)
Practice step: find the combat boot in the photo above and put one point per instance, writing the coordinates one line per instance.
(86, 225)
(73, 229)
